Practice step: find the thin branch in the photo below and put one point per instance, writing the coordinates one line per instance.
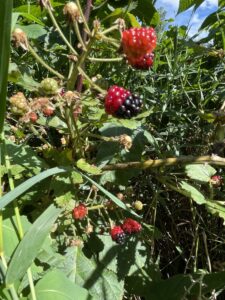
(156, 163)
(44, 64)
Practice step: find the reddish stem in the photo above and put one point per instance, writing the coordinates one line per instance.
(84, 37)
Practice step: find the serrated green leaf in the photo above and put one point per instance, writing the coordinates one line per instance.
(186, 4)
(184, 286)
(56, 286)
(57, 123)
(200, 172)
(132, 20)
(193, 193)
(32, 18)
(100, 282)
(63, 201)
(216, 208)
(131, 124)
(123, 260)
(147, 12)
(33, 31)
(76, 177)
(31, 243)
(85, 166)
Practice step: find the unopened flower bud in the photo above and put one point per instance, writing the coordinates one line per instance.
(126, 141)
(20, 39)
(71, 11)
(71, 97)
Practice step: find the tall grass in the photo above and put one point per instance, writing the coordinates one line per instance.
(5, 29)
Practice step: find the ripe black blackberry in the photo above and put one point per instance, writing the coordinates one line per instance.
(118, 235)
(130, 108)
(121, 103)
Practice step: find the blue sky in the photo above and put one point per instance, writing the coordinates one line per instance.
(171, 6)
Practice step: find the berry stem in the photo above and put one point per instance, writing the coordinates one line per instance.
(44, 64)
(83, 18)
(95, 86)
(79, 142)
(95, 59)
(77, 31)
(36, 133)
(74, 73)
(110, 29)
(151, 163)
(60, 31)
(104, 138)
(95, 207)
(110, 40)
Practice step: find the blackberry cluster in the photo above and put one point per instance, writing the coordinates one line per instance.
(130, 108)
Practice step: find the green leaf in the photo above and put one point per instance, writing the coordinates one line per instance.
(124, 260)
(200, 172)
(84, 166)
(31, 17)
(10, 236)
(193, 193)
(76, 177)
(31, 243)
(100, 282)
(19, 190)
(112, 197)
(132, 20)
(131, 124)
(15, 17)
(182, 286)
(5, 30)
(186, 4)
(147, 12)
(64, 200)
(56, 286)
(33, 31)
(216, 208)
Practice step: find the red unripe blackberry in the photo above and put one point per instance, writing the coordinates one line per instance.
(80, 211)
(131, 226)
(137, 42)
(143, 63)
(216, 180)
(121, 103)
(32, 117)
(118, 235)
(48, 111)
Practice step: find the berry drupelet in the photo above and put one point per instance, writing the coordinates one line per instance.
(118, 235)
(80, 211)
(143, 63)
(131, 226)
(120, 103)
(136, 42)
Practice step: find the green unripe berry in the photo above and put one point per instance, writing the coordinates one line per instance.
(19, 105)
(49, 86)
(138, 205)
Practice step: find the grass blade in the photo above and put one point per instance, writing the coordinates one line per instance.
(19, 190)
(30, 245)
(5, 32)
(111, 196)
